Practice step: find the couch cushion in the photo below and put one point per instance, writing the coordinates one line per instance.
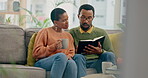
(20, 71)
(29, 32)
(30, 59)
(88, 71)
(115, 40)
(12, 48)
(91, 71)
(29, 44)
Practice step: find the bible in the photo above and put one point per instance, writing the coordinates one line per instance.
(94, 42)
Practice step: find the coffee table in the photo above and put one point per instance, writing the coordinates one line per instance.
(99, 76)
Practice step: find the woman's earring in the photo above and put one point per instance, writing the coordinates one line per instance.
(56, 28)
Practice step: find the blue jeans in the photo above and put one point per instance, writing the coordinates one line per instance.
(82, 64)
(97, 64)
(59, 66)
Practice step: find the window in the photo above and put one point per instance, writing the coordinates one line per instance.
(108, 13)
(99, 0)
(7, 13)
(3, 5)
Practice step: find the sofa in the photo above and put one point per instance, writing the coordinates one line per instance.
(14, 42)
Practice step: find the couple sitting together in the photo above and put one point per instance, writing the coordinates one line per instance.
(66, 63)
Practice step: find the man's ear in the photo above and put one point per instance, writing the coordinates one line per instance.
(78, 15)
(93, 17)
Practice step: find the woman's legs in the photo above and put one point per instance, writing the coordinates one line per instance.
(81, 65)
(55, 64)
(70, 70)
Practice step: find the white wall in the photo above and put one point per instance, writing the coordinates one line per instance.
(136, 41)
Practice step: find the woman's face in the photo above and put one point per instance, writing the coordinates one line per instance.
(63, 21)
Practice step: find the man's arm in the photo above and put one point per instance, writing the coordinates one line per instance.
(71, 31)
(107, 45)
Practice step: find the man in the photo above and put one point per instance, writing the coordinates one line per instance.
(95, 55)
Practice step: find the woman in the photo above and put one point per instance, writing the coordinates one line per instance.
(47, 48)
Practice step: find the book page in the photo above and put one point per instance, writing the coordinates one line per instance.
(98, 38)
(86, 40)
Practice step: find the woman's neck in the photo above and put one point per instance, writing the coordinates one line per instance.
(57, 29)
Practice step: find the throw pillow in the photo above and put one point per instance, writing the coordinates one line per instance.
(30, 59)
(116, 40)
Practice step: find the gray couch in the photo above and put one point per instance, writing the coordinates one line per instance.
(13, 54)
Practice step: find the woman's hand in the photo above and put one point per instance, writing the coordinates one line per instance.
(69, 56)
(58, 44)
(76, 48)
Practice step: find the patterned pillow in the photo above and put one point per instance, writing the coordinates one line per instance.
(30, 59)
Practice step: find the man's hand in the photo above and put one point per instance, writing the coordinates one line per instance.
(93, 50)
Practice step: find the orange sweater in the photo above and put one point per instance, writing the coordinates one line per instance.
(43, 46)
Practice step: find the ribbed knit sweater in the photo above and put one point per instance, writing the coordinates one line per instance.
(43, 46)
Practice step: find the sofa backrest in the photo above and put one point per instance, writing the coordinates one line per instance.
(29, 32)
(12, 44)
(112, 34)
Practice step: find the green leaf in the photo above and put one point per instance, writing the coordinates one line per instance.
(8, 20)
(26, 10)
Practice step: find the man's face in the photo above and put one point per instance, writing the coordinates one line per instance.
(86, 17)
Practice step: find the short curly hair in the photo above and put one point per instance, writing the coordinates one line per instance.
(55, 14)
(86, 7)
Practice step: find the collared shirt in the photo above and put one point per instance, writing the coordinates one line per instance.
(88, 31)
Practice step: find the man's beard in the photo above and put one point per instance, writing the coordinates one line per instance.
(84, 28)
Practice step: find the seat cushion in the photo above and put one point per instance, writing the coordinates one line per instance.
(20, 71)
(91, 71)
(88, 71)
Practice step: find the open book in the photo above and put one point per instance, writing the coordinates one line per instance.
(94, 42)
